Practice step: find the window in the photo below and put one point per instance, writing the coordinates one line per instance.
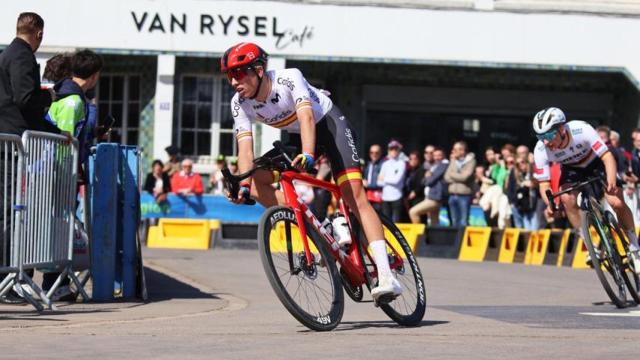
(195, 115)
(118, 95)
(205, 124)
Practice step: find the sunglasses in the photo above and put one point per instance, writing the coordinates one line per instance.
(549, 135)
(238, 73)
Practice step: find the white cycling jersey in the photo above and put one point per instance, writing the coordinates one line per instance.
(290, 91)
(583, 147)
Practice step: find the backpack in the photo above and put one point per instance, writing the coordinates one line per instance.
(525, 200)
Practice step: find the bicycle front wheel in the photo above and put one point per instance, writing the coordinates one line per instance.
(606, 262)
(312, 293)
(630, 277)
(407, 309)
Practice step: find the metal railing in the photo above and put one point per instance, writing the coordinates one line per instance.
(42, 212)
(11, 162)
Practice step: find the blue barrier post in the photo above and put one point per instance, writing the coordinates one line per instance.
(128, 180)
(115, 209)
(104, 194)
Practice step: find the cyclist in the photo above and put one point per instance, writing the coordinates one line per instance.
(582, 154)
(285, 100)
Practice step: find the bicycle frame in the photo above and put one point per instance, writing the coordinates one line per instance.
(351, 263)
(593, 206)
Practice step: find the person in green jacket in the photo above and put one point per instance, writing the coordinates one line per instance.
(70, 110)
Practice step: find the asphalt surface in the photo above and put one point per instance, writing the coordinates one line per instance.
(218, 305)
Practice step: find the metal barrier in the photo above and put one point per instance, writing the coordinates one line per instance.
(11, 171)
(44, 212)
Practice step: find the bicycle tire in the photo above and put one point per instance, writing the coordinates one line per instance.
(631, 279)
(413, 298)
(619, 300)
(319, 318)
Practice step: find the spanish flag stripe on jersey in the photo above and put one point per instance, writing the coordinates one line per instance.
(286, 121)
(243, 134)
(351, 174)
(302, 104)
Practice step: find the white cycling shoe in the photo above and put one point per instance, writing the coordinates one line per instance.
(634, 260)
(387, 290)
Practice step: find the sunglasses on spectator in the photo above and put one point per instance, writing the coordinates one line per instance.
(238, 73)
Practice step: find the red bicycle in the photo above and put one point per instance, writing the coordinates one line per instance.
(301, 257)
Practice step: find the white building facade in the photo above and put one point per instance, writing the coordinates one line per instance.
(476, 70)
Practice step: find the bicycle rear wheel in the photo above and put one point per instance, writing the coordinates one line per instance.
(311, 293)
(631, 279)
(407, 309)
(607, 264)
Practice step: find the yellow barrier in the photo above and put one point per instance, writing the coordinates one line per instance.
(508, 245)
(411, 232)
(538, 243)
(580, 255)
(215, 224)
(563, 246)
(474, 243)
(180, 234)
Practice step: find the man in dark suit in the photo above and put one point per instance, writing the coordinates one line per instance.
(22, 107)
(22, 101)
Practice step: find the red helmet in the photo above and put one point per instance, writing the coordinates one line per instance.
(242, 54)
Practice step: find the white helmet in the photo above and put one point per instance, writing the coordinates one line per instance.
(547, 118)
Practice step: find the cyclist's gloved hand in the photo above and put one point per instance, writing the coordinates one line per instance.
(244, 193)
(304, 161)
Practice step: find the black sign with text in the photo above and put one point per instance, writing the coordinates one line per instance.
(222, 25)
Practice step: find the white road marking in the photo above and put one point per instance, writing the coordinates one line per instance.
(634, 313)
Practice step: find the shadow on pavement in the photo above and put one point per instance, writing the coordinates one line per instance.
(356, 325)
(162, 287)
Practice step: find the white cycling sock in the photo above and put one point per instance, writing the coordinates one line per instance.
(379, 249)
(633, 239)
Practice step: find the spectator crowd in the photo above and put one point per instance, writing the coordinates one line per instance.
(416, 187)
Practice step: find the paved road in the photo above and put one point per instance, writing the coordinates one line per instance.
(218, 305)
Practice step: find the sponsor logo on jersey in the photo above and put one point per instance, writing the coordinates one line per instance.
(258, 106)
(235, 110)
(576, 131)
(286, 82)
(276, 118)
(276, 99)
(596, 146)
(560, 154)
